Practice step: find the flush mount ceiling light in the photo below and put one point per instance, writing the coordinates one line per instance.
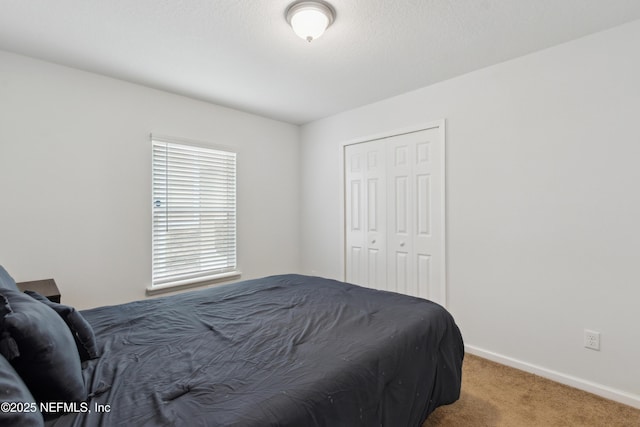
(309, 19)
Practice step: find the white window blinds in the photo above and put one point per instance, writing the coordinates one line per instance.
(194, 213)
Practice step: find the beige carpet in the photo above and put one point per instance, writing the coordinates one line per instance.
(497, 395)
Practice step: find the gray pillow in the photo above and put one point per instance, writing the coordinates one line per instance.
(6, 281)
(80, 329)
(14, 392)
(40, 347)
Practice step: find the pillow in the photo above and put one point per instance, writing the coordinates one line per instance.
(41, 349)
(6, 281)
(80, 328)
(22, 409)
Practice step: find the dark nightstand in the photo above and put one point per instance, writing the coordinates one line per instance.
(47, 288)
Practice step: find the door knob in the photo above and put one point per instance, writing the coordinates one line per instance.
(402, 244)
(373, 241)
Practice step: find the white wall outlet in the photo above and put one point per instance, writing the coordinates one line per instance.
(592, 339)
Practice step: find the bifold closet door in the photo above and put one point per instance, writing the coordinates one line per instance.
(394, 214)
(415, 235)
(366, 221)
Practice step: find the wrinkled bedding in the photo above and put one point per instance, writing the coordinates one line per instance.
(286, 350)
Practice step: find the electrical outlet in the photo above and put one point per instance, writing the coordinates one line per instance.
(592, 339)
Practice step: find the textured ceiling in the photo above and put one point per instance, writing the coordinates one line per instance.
(242, 53)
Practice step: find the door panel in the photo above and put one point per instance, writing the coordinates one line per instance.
(423, 204)
(401, 213)
(367, 168)
(429, 233)
(354, 231)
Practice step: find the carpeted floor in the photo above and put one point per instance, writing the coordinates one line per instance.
(497, 395)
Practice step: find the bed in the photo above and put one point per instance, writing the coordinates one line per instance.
(286, 350)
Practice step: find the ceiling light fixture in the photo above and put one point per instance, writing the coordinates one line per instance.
(309, 19)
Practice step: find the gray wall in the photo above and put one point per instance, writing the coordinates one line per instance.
(542, 205)
(75, 179)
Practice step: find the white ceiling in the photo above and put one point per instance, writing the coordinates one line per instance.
(242, 53)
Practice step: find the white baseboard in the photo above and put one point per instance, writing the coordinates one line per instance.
(579, 383)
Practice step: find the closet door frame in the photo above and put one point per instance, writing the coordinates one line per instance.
(440, 124)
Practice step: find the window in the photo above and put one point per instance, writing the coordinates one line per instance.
(194, 213)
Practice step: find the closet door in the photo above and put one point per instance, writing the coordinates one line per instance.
(394, 214)
(366, 214)
(416, 233)
(401, 200)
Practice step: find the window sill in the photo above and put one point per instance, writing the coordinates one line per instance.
(192, 283)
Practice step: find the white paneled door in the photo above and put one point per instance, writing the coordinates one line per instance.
(366, 214)
(394, 207)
